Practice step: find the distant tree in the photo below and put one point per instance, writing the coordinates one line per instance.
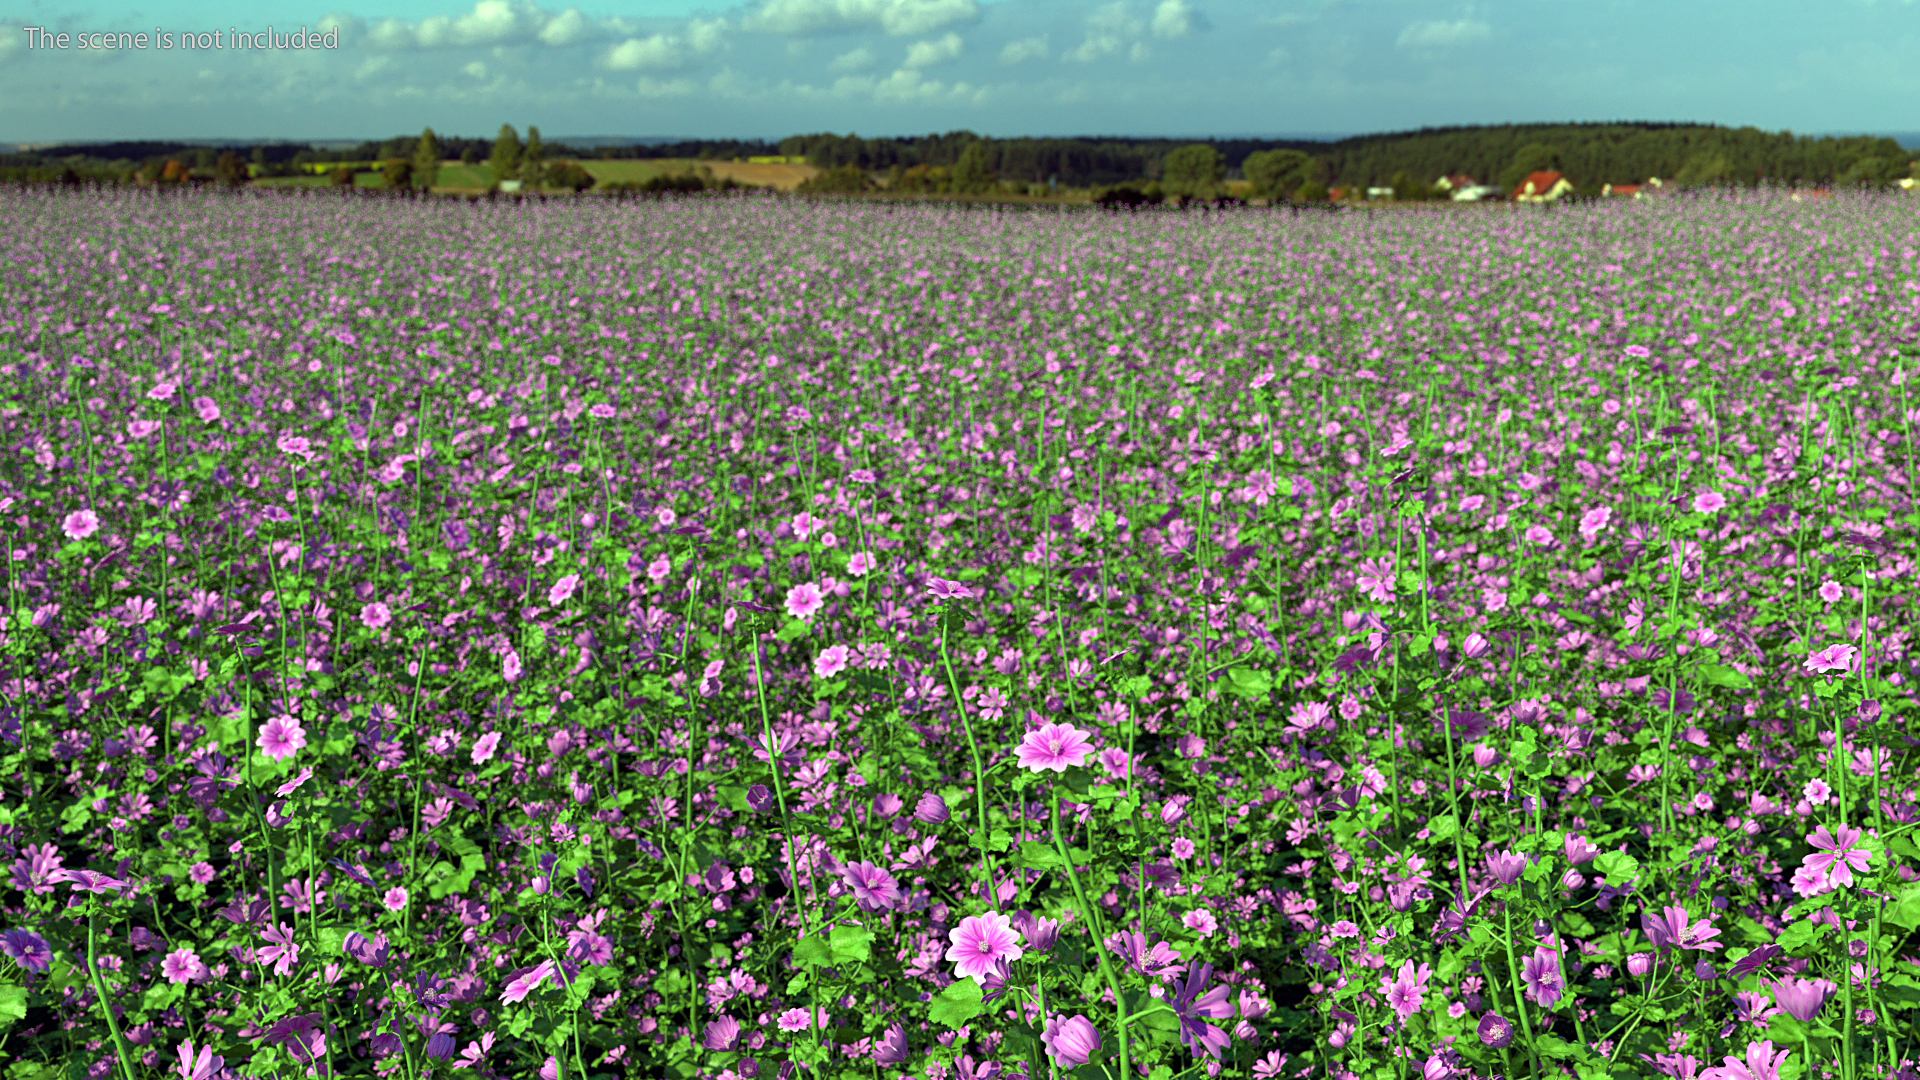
(342, 176)
(533, 163)
(567, 174)
(1193, 171)
(504, 163)
(1704, 169)
(426, 160)
(1121, 195)
(173, 172)
(396, 173)
(843, 180)
(470, 154)
(971, 174)
(1529, 159)
(1275, 173)
(1871, 172)
(1313, 191)
(1408, 189)
(231, 171)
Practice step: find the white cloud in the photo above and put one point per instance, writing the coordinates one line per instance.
(1278, 56)
(663, 52)
(491, 22)
(897, 17)
(856, 60)
(926, 54)
(659, 52)
(706, 35)
(1172, 19)
(12, 43)
(1108, 30)
(1433, 34)
(908, 86)
(372, 66)
(352, 28)
(647, 86)
(1033, 48)
(567, 28)
(477, 69)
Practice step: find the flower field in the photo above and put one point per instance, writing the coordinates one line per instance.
(749, 637)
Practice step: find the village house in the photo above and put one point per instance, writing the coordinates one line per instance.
(1542, 187)
(1463, 188)
(1621, 191)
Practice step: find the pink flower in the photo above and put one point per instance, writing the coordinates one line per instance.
(1672, 929)
(295, 446)
(1407, 991)
(798, 1019)
(282, 738)
(1830, 591)
(162, 391)
(1595, 520)
(201, 1066)
(527, 982)
(376, 616)
(395, 899)
(484, 746)
(981, 941)
(831, 661)
(1708, 501)
(804, 600)
(182, 966)
(510, 666)
(1202, 922)
(1761, 1064)
(140, 429)
(873, 888)
(1055, 747)
(1832, 658)
(562, 589)
(1539, 536)
(1071, 1042)
(281, 951)
(1541, 973)
(859, 564)
(1835, 856)
(206, 409)
(80, 524)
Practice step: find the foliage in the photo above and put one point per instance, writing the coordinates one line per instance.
(504, 163)
(972, 175)
(230, 170)
(1276, 174)
(396, 174)
(426, 160)
(569, 175)
(1193, 171)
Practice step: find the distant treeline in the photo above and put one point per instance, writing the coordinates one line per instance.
(1589, 155)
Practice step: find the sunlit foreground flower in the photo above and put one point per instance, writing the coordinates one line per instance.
(981, 941)
(1053, 746)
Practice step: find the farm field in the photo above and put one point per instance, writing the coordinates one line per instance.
(759, 637)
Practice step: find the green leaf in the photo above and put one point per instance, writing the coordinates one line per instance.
(13, 1003)
(852, 944)
(1248, 683)
(1037, 856)
(956, 1005)
(1720, 675)
(1555, 1047)
(1618, 866)
(1906, 912)
(813, 951)
(1443, 827)
(1137, 686)
(1797, 935)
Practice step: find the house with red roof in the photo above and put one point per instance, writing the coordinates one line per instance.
(1620, 191)
(1542, 187)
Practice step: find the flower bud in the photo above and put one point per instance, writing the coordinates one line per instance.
(1639, 964)
(931, 810)
(1484, 756)
(760, 798)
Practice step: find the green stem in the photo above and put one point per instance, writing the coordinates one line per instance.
(983, 837)
(1519, 1004)
(1099, 946)
(120, 1047)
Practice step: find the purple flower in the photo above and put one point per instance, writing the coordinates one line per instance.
(723, 1035)
(372, 953)
(760, 798)
(1151, 962)
(1752, 962)
(873, 888)
(1507, 866)
(931, 810)
(1071, 1042)
(1802, 998)
(28, 949)
(892, 1049)
(1042, 934)
(1192, 1007)
(1495, 1031)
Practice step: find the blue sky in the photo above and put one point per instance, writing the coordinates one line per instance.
(768, 68)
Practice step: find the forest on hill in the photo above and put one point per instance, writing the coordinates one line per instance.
(1590, 155)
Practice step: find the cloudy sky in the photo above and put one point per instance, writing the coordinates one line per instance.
(767, 68)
